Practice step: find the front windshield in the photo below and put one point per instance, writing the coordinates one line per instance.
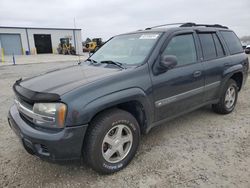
(127, 49)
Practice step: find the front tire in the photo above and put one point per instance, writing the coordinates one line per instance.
(228, 99)
(111, 141)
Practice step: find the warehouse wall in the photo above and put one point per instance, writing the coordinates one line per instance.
(56, 34)
(55, 38)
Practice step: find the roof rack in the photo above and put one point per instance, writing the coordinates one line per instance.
(205, 25)
(188, 24)
(148, 28)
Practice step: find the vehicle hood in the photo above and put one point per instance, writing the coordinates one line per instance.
(66, 79)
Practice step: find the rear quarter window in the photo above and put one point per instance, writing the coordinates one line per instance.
(232, 41)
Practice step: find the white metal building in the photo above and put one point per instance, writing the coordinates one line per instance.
(29, 40)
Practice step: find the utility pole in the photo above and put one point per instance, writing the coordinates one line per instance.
(74, 23)
(76, 43)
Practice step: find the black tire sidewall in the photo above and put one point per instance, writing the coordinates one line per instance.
(101, 163)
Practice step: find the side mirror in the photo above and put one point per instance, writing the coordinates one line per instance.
(167, 62)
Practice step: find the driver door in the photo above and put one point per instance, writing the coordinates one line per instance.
(182, 88)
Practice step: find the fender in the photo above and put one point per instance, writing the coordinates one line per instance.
(233, 69)
(113, 99)
(228, 73)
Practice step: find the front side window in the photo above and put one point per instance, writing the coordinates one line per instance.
(127, 49)
(183, 47)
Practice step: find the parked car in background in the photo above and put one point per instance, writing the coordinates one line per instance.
(247, 49)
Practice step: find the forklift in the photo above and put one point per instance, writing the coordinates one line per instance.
(65, 47)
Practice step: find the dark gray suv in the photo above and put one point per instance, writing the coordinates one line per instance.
(98, 109)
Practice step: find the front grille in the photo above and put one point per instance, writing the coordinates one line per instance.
(27, 119)
(29, 106)
(23, 100)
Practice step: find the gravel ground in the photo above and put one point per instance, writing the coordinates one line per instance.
(200, 149)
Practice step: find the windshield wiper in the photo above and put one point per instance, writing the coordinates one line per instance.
(91, 60)
(118, 64)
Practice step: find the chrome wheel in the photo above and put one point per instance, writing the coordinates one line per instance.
(117, 143)
(230, 97)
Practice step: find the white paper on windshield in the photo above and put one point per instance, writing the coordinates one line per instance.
(149, 36)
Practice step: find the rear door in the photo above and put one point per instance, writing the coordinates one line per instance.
(214, 60)
(181, 88)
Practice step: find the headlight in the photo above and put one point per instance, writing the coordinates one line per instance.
(50, 115)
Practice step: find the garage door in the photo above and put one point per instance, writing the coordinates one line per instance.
(11, 43)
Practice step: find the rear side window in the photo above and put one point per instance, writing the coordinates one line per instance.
(208, 47)
(232, 41)
(183, 47)
(219, 48)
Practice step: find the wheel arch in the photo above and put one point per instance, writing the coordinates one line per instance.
(133, 100)
(236, 73)
(238, 78)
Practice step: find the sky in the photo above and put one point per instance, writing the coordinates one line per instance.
(106, 18)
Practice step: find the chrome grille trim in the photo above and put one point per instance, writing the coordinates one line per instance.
(33, 115)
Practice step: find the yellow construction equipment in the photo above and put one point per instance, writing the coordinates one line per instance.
(2, 55)
(65, 47)
(94, 45)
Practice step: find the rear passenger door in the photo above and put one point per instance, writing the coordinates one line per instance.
(213, 58)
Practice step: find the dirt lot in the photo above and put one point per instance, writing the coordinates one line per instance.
(200, 149)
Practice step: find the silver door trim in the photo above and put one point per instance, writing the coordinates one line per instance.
(186, 94)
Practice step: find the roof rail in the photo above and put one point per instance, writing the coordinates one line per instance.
(205, 25)
(164, 25)
(188, 24)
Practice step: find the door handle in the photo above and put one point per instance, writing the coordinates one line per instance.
(197, 74)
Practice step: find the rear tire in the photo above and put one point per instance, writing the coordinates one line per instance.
(228, 98)
(111, 141)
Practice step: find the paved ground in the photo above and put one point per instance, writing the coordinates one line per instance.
(41, 58)
(200, 149)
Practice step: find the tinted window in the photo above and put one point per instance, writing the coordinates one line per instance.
(207, 44)
(183, 47)
(218, 45)
(232, 41)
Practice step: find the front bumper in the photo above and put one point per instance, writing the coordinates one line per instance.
(65, 144)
